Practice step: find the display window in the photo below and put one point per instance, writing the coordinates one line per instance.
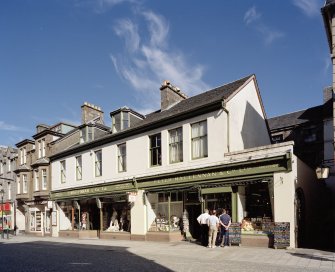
(116, 216)
(258, 208)
(168, 211)
(35, 219)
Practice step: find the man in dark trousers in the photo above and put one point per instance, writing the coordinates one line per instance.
(202, 220)
(225, 222)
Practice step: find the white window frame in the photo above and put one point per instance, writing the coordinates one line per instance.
(9, 190)
(24, 184)
(199, 140)
(156, 151)
(176, 145)
(18, 185)
(63, 171)
(79, 168)
(36, 181)
(98, 163)
(44, 179)
(122, 157)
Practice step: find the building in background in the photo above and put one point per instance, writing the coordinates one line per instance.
(8, 156)
(33, 178)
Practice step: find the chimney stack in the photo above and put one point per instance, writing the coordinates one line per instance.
(170, 95)
(91, 113)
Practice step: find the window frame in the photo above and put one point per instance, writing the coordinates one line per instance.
(79, 168)
(122, 157)
(44, 179)
(63, 171)
(153, 149)
(203, 153)
(179, 145)
(98, 163)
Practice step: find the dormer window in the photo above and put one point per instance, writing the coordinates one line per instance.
(86, 134)
(124, 118)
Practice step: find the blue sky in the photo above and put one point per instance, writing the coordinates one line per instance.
(57, 54)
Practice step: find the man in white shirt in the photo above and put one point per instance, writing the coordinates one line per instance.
(202, 220)
(213, 224)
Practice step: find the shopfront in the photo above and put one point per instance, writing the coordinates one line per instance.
(171, 203)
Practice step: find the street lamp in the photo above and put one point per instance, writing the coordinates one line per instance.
(2, 192)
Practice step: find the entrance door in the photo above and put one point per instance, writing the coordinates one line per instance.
(194, 210)
(300, 217)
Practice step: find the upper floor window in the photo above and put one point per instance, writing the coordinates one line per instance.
(25, 184)
(125, 120)
(176, 145)
(9, 190)
(155, 150)
(122, 157)
(18, 185)
(23, 155)
(98, 163)
(199, 140)
(86, 134)
(62, 172)
(44, 179)
(36, 181)
(79, 168)
(41, 148)
(277, 138)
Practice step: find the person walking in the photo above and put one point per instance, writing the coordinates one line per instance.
(213, 224)
(225, 221)
(202, 220)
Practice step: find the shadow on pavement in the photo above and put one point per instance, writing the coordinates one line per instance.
(314, 257)
(56, 256)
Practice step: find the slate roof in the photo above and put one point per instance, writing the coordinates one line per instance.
(200, 102)
(308, 116)
(197, 101)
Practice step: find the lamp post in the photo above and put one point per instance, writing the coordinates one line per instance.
(1, 194)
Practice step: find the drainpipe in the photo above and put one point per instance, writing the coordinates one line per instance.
(228, 124)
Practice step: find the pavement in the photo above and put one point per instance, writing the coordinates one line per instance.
(188, 256)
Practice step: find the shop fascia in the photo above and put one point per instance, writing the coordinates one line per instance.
(227, 173)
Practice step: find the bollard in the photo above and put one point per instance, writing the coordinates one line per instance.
(7, 233)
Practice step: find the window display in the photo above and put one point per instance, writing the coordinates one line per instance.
(258, 212)
(168, 214)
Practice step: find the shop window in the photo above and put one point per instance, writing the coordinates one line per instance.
(258, 212)
(35, 221)
(168, 215)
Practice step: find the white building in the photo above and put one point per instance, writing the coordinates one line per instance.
(211, 151)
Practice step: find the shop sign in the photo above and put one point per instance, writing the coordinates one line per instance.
(5, 207)
(132, 196)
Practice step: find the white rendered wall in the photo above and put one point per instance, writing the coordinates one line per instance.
(138, 214)
(247, 125)
(284, 193)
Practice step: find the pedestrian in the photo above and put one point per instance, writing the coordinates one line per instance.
(213, 224)
(225, 221)
(202, 220)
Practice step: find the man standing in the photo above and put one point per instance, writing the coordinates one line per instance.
(202, 220)
(225, 222)
(213, 224)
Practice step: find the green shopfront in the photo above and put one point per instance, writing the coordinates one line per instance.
(172, 202)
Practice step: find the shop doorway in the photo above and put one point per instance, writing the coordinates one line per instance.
(218, 201)
(300, 217)
(194, 210)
